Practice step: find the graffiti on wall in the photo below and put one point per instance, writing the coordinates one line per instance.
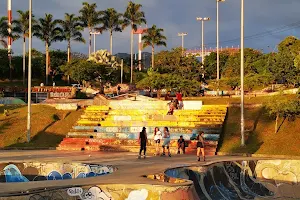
(26, 172)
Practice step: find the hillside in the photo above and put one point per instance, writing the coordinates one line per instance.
(260, 137)
(49, 126)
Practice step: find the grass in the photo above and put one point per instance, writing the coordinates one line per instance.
(47, 130)
(260, 136)
(235, 100)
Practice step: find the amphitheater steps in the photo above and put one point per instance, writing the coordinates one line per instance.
(85, 144)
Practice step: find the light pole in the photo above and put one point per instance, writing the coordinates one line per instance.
(242, 76)
(95, 33)
(9, 39)
(202, 20)
(218, 53)
(182, 41)
(29, 72)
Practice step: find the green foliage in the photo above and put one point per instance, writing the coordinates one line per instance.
(111, 20)
(283, 107)
(47, 30)
(55, 117)
(3, 31)
(72, 28)
(81, 95)
(89, 16)
(154, 37)
(82, 70)
(133, 16)
(211, 64)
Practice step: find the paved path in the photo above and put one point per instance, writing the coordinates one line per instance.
(130, 169)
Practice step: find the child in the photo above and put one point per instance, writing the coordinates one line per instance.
(143, 142)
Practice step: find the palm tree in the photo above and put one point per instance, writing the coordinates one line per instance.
(3, 31)
(22, 27)
(154, 37)
(112, 21)
(72, 32)
(47, 30)
(133, 16)
(90, 18)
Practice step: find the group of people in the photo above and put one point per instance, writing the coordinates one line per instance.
(165, 137)
(175, 103)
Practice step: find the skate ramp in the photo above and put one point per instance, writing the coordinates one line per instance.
(265, 179)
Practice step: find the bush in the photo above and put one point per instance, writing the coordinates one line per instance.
(55, 117)
(81, 95)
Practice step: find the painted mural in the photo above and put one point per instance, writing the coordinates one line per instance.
(26, 172)
(266, 179)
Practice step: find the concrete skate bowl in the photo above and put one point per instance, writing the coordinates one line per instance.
(263, 179)
(37, 171)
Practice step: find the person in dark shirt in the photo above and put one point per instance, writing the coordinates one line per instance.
(143, 142)
(119, 90)
(181, 145)
(168, 96)
(200, 145)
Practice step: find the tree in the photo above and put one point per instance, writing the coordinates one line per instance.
(112, 21)
(210, 64)
(48, 31)
(133, 16)
(3, 31)
(154, 37)
(282, 107)
(90, 18)
(72, 30)
(22, 26)
(88, 71)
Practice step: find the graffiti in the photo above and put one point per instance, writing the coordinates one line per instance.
(93, 193)
(48, 196)
(231, 170)
(227, 180)
(138, 195)
(26, 172)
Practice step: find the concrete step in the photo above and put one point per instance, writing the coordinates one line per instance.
(135, 136)
(135, 149)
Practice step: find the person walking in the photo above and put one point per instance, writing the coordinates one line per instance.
(157, 138)
(200, 145)
(181, 145)
(167, 140)
(143, 142)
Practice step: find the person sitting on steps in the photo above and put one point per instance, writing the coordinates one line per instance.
(181, 145)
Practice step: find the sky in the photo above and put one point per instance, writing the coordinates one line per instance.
(266, 21)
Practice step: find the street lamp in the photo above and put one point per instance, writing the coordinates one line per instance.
(242, 76)
(202, 20)
(29, 72)
(218, 53)
(95, 33)
(182, 41)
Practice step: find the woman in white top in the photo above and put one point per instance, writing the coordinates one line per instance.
(157, 139)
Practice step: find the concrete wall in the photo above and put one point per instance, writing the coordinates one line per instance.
(114, 192)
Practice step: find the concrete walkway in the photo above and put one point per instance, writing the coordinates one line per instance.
(130, 169)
